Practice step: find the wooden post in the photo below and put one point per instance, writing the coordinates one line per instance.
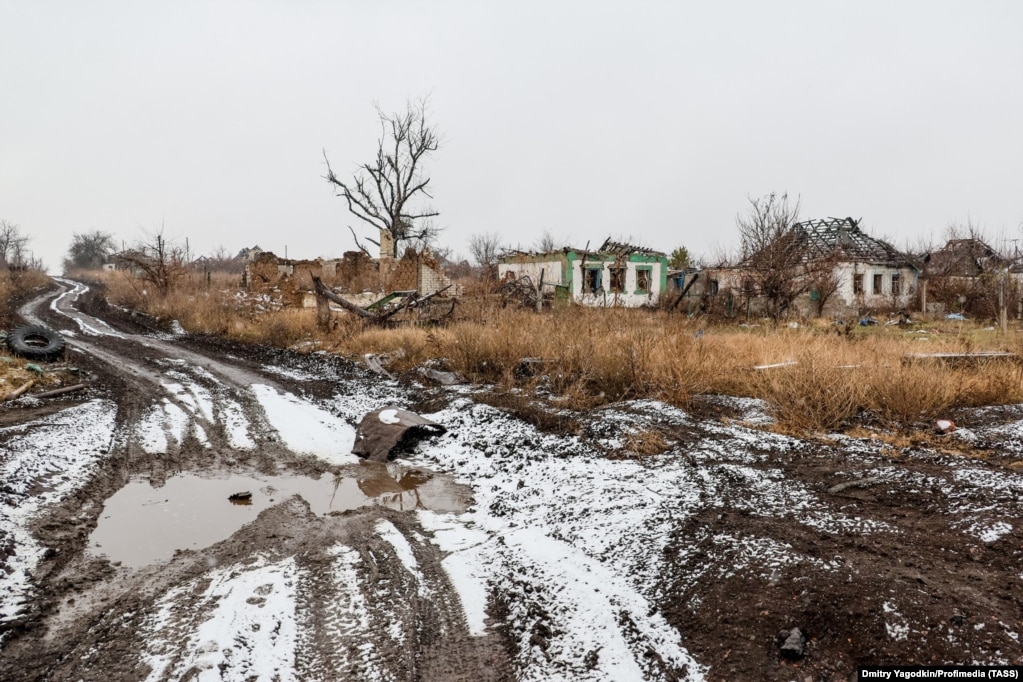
(539, 292)
(923, 296)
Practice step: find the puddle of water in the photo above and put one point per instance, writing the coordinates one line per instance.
(141, 524)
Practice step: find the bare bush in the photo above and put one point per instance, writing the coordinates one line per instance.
(155, 262)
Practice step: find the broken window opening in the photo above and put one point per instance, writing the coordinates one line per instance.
(896, 284)
(617, 280)
(592, 280)
(857, 284)
(643, 280)
(714, 287)
(877, 284)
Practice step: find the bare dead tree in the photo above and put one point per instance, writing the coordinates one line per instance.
(88, 250)
(13, 243)
(156, 262)
(821, 276)
(547, 242)
(387, 192)
(772, 251)
(769, 221)
(484, 248)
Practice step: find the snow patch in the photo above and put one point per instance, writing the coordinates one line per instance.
(989, 532)
(290, 373)
(306, 428)
(243, 626)
(386, 530)
(236, 426)
(41, 463)
(894, 623)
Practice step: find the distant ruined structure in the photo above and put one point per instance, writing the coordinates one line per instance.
(356, 272)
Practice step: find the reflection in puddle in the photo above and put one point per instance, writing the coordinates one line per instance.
(141, 524)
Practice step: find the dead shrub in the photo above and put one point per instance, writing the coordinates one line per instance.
(817, 393)
(908, 393)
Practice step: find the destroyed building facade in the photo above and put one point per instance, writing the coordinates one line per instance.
(616, 274)
(971, 277)
(833, 267)
(356, 274)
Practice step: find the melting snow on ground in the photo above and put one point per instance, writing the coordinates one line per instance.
(242, 627)
(989, 532)
(403, 550)
(306, 428)
(41, 463)
(894, 623)
(290, 373)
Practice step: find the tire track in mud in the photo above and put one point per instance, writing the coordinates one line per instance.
(291, 595)
(331, 599)
(190, 394)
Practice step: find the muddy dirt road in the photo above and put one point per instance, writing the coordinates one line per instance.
(496, 551)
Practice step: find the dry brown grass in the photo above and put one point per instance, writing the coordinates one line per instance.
(644, 443)
(15, 285)
(589, 357)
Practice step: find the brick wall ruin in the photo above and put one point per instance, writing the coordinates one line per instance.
(354, 273)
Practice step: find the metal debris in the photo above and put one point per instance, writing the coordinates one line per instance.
(384, 432)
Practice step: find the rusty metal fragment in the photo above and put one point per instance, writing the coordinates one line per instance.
(384, 432)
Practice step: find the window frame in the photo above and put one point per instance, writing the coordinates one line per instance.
(648, 272)
(616, 282)
(596, 272)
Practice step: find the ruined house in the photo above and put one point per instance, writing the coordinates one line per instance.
(416, 271)
(249, 254)
(833, 267)
(969, 276)
(287, 278)
(616, 274)
(356, 274)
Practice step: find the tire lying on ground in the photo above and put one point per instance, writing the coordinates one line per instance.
(35, 342)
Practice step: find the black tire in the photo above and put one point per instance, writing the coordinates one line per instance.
(36, 343)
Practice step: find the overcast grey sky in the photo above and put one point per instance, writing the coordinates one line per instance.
(644, 120)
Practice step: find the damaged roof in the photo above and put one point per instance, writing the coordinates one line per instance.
(609, 247)
(843, 239)
(963, 258)
(624, 249)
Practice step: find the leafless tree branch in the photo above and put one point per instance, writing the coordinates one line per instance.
(385, 192)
